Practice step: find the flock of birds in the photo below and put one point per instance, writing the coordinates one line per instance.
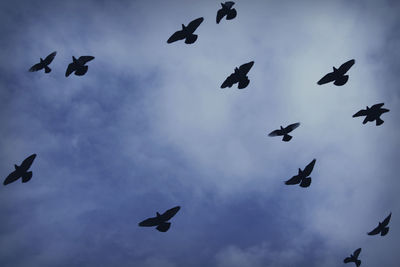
(239, 76)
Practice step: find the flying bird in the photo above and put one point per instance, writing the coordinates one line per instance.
(21, 171)
(227, 11)
(302, 176)
(44, 64)
(239, 76)
(285, 131)
(338, 75)
(354, 257)
(382, 227)
(186, 32)
(78, 65)
(161, 220)
(373, 113)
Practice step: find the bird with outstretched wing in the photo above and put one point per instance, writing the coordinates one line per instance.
(227, 11)
(186, 32)
(382, 227)
(354, 257)
(239, 76)
(44, 64)
(302, 176)
(161, 220)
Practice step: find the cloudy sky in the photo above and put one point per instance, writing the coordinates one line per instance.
(148, 128)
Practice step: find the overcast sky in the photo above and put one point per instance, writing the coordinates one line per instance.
(148, 128)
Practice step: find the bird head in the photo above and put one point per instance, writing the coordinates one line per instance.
(183, 27)
(158, 214)
(367, 108)
(335, 69)
(74, 59)
(300, 171)
(281, 127)
(41, 60)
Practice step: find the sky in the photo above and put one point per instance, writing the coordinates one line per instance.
(148, 128)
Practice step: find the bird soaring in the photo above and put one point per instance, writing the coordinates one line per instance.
(44, 64)
(186, 32)
(338, 75)
(285, 131)
(239, 76)
(354, 257)
(373, 113)
(227, 11)
(21, 171)
(78, 66)
(302, 176)
(382, 227)
(161, 220)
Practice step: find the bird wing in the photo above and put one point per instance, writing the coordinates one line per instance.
(356, 252)
(178, 35)
(36, 67)
(84, 59)
(229, 4)
(377, 106)
(346, 66)
(232, 79)
(362, 112)
(330, 77)
(192, 26)
(26, 164)
(383, 110)
(245, 68)
(376, 231)
(153, 221)
(50, 58)
(166, 216)
(294, 180)
(11, 177)
(220, 14)
(291, 127)
(275, 133)
(308, 169)
(347, 260)
(71, 68)
(386, 221)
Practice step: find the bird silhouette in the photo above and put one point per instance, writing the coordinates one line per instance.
(44, 64)
(239, 76)
(382, 227)
(161, 220)
(354, 257)
(302, 176)
(186, 32)
(285, 131)
(78, 66)
(227, 11)
(21, 171)
(338, 75)
(372, 114)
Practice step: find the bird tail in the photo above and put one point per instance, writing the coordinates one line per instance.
(358, 263)
(379, 121)
(286, 138)
(231, 14)
(163, 227)
(26, 177)
(47, 69)
(191, 39)
(305, 182)
(365, 120)
(384, 231)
